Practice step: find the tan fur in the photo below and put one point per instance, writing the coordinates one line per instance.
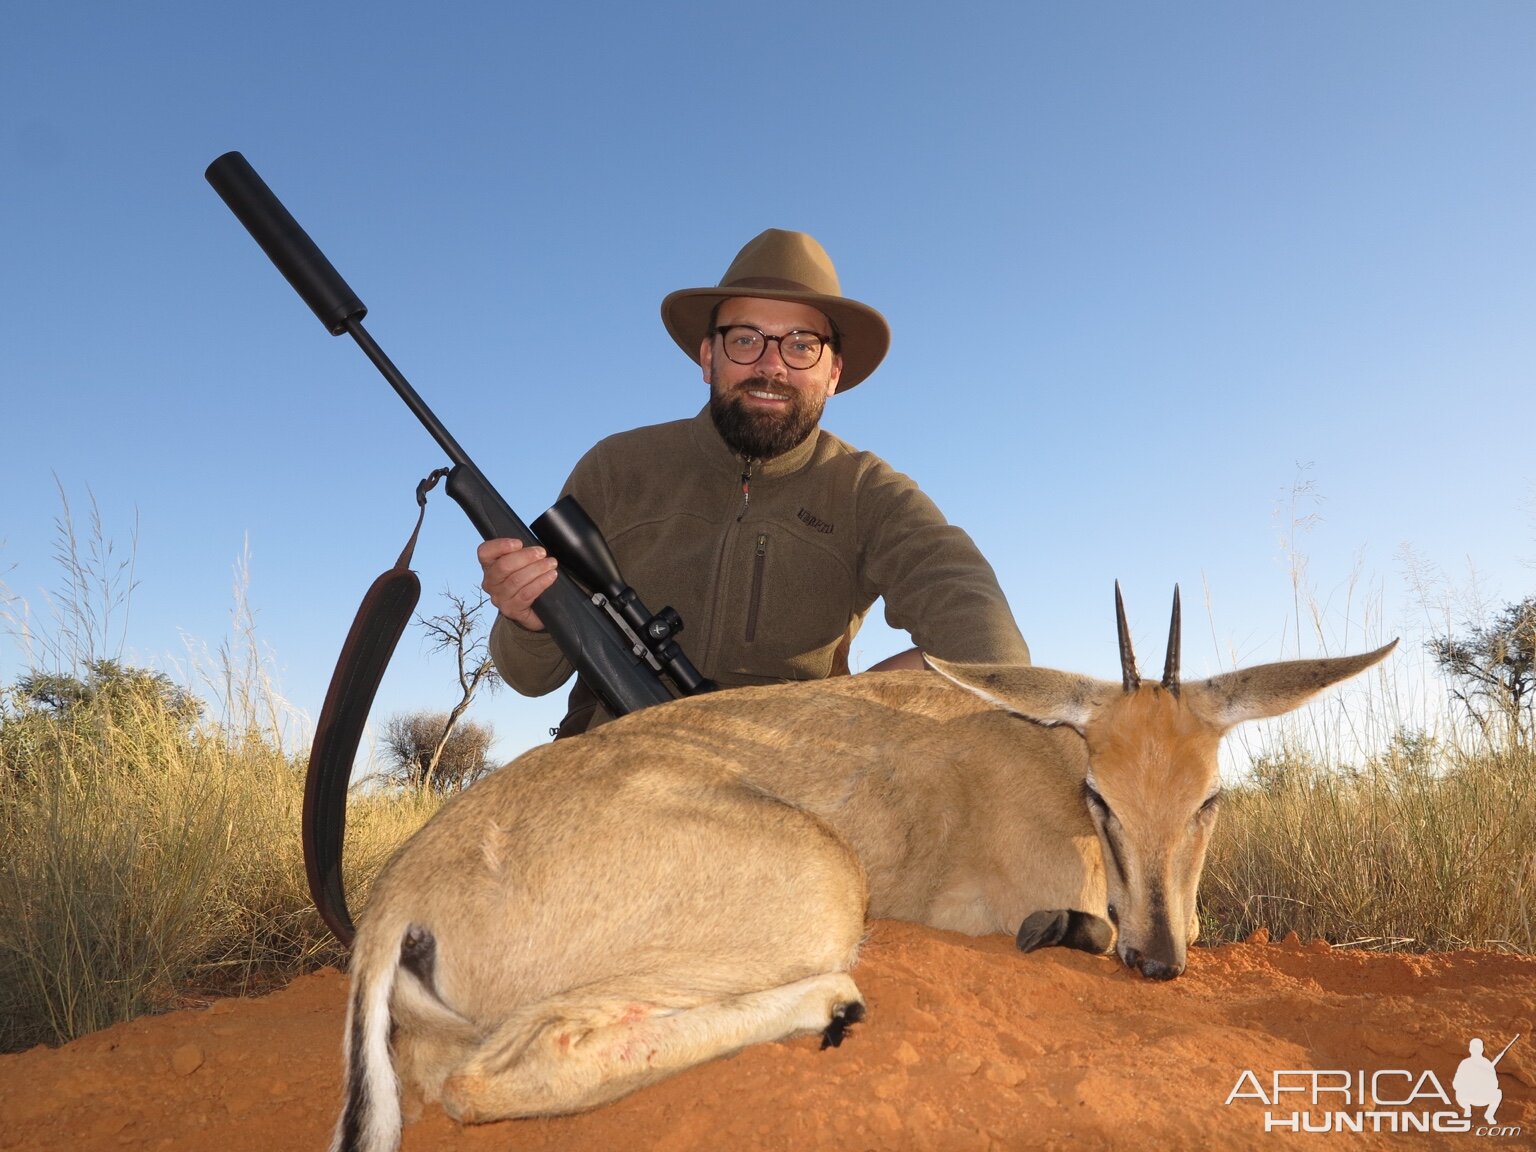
(1155, 765)
(696, 877)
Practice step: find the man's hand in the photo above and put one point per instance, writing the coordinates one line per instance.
(514, 577)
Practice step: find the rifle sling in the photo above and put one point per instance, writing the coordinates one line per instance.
(376, 630)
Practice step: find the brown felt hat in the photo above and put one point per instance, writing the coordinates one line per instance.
(780, 265)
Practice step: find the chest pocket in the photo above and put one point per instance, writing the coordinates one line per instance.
(799, 601)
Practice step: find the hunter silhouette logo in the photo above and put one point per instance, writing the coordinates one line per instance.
(1477, 1081)
(1386, 1100)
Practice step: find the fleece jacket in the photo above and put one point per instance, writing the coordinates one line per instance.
(773, 564)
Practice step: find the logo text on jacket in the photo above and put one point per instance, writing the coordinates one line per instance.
(814, 522)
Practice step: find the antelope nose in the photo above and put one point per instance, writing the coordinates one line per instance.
(1148, 967)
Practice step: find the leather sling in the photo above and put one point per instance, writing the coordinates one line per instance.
(376, 630)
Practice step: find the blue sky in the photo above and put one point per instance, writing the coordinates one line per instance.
(1151, 268)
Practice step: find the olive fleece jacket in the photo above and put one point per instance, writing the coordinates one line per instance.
(773, 568)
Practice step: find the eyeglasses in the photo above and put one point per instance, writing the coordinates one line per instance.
(745, 344)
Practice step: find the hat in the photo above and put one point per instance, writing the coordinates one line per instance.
(780, 265)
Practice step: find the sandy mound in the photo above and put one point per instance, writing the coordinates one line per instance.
(968, 1045)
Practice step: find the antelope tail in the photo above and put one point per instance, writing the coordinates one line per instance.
(370, 1119)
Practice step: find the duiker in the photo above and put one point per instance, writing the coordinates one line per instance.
(694, 878)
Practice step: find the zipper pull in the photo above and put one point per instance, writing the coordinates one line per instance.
(756, 601)
(746, 489)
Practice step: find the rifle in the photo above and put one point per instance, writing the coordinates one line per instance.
(616, 646)
(1504, 1049)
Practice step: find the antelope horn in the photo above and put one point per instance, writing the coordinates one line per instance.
(1171, 667)
(1127, 657)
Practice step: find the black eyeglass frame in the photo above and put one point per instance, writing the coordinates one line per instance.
(721, 330)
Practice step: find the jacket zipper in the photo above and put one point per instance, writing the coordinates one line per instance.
(746, 489)
(757, 585)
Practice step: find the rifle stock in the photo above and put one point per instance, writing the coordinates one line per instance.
(579, 629)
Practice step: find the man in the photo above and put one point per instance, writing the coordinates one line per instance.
(1477, 1081)
(770, 536)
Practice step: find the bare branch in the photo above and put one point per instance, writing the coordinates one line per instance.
(1496, 665)
(457, 630)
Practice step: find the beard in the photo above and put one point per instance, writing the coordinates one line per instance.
(763, 435)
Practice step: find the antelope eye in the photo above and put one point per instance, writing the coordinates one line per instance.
(1095, 801)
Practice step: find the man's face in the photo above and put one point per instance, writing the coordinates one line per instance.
(764, 409)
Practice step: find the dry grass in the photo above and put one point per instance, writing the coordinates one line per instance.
(152, 853)
(149, 861)
(1381, 816)
(1423, 849)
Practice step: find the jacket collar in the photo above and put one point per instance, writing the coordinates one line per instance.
(720, 454)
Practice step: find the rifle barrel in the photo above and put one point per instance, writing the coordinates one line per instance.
(1505, 1049)
(353, 326)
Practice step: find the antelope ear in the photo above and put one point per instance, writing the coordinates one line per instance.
(1039, 694)
(1272, 689)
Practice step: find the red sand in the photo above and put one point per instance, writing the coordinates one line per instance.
(968, 1046)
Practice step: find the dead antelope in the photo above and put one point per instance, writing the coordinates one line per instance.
(696, 877)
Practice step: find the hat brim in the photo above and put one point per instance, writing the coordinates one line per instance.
(864, 334)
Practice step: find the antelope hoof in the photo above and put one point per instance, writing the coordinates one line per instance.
(1042, 930)
(844, 1017)
(1066, 928)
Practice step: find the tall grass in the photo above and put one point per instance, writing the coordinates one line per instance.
(1425, 848)
(152, 853)
(148, 861)
(1378, 817)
